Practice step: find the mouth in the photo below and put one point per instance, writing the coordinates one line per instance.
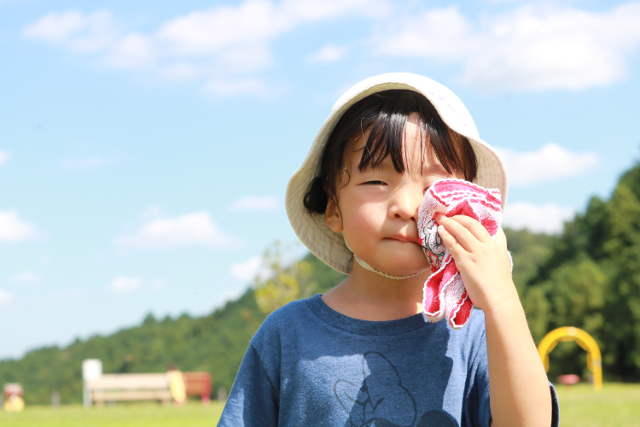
(404, 238)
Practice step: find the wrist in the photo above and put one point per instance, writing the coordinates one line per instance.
(505, 300)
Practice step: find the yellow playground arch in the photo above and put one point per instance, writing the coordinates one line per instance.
(584, 340)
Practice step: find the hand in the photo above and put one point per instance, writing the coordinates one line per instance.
(483, 263)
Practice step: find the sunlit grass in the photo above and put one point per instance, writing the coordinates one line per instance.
(580, 406)
(120, 415)
(616, 405)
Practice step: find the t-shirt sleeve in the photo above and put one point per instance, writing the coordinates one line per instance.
(253, 400)
(555, 407)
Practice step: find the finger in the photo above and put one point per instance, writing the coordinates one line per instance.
(455, 248)
(474, 226)
(460, 233)
(501, 238)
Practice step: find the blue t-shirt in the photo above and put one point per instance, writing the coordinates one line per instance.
(309, 365)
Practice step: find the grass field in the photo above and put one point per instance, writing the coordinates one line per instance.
(616, 405)
(121, 415)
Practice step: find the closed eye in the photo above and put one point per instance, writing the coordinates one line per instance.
(375, 183)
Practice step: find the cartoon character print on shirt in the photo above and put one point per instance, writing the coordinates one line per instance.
(381, 400)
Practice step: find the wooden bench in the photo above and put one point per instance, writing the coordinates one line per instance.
(165, 387)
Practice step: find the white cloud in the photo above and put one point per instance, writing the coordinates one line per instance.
(5, 297)
(182, 71)
(131, 51)
(328, 53)
(441, 34)
(84, 33)
(238, 38)
(225, 46)
(14, 229)
(26, 277)
(255, 204)
(527, 48)
(186, 230)
(549, 163)
(230, 295)
(249, 270)
(125, 285)
(547, 218)
(4, 156)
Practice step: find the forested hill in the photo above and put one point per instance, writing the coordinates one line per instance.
(591, 280)
(588, 277)
(215, 343)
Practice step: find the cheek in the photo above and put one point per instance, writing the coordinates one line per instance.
(363, 218)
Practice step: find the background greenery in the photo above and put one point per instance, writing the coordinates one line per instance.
(588, 276)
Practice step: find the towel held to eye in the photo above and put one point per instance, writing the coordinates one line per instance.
(444, 294)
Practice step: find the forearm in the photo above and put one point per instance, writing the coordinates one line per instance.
(520, 394)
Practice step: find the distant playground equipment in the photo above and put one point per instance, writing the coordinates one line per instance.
(584, 340)
(569, 379)
(198, 384)
(172, 386)
(13, 401)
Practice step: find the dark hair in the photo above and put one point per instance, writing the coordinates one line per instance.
(385, 114)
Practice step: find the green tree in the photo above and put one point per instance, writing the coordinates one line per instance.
(591, 280)
(298, 280)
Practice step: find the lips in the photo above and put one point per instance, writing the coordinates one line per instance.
(405, 238)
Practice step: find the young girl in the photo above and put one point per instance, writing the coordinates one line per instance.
(362, 354)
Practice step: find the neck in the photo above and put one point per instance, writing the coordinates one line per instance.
(369, 296)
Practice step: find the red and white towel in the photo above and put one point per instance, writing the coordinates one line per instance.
(444, 294)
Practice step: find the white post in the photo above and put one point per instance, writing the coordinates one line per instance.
(91, 370)
(55, 399)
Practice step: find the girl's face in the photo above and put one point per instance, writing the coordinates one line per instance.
(378, 208)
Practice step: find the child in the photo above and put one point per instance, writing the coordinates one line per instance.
(362, 354)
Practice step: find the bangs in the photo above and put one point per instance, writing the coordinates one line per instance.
(387, 130)
(386, 139)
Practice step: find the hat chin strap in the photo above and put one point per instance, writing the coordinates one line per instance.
(366, 266)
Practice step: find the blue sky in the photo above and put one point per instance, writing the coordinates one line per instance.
(145, 147)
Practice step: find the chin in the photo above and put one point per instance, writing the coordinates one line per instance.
(406, 267)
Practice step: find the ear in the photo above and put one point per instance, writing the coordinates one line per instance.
(332, 217)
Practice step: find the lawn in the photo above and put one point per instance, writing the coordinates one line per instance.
(121, 415)
(615, 405)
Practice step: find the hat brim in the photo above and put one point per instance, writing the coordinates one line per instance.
(311, 228)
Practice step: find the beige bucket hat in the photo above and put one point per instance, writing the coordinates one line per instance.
(311, 229)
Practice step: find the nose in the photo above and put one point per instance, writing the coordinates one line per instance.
(406, 202)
